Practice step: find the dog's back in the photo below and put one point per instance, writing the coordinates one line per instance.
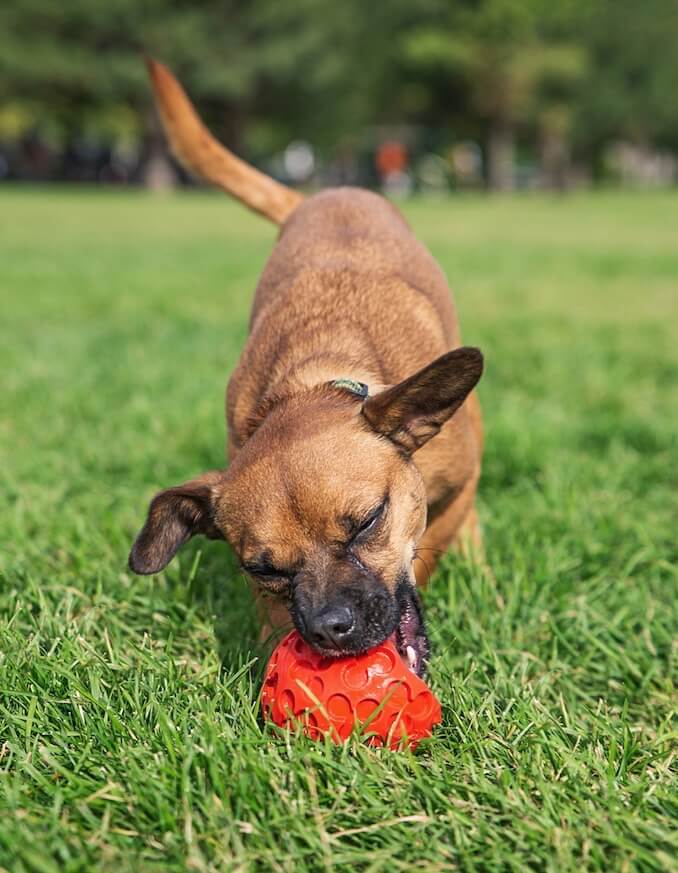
(359, 232)
(346, 286)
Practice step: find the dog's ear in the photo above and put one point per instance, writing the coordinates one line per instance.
(413, 411)
(174, 516)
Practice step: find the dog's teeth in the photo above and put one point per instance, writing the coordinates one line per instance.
(411, 657)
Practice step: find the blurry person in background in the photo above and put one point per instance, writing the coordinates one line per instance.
(391, 161)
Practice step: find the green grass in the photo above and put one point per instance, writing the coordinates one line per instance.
(129, 732)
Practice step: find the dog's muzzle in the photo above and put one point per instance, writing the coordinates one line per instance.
(359, 616)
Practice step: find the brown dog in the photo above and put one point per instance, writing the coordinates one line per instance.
(347, 373)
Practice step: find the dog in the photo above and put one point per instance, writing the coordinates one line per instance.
(354, 433)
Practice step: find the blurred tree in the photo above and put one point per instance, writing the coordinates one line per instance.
(75, 66)
(323, 67)
(633, 75)
(496, 54)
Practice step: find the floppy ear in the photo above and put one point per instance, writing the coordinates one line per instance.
(413, 411)
(174, 516)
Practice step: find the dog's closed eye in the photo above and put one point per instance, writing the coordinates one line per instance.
(267, 571)
(361, 528)
(271, 578)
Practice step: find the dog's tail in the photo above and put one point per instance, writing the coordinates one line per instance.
(200, 153)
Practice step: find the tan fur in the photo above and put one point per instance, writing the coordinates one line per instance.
(347, 292)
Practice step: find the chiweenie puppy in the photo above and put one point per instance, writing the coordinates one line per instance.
(354, 438)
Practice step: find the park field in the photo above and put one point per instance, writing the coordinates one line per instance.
(129, 729)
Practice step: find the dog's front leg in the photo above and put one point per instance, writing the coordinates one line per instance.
(273, 615)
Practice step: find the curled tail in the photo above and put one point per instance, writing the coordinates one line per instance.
(200, 153)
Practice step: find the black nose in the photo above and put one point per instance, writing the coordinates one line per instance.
(330, 626)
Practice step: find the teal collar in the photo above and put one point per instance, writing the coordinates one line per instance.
(359, 388)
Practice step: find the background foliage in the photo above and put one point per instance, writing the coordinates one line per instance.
(558, 80)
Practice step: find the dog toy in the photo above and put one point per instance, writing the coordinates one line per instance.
(374, 693)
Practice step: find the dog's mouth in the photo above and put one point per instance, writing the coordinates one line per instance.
(406, 630)
(410, 634)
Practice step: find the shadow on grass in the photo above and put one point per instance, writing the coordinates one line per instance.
(219, 591)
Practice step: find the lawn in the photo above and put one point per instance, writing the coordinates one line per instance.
(129, 730)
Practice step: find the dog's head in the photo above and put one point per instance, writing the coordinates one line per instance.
(324, 506)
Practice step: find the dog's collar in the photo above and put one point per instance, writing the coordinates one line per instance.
(359, 388)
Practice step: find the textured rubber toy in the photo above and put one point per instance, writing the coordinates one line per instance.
(375, 693)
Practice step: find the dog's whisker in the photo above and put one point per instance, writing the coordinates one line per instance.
(430, 549)
(426, 567)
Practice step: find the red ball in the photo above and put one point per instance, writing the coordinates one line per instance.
(375, 692)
